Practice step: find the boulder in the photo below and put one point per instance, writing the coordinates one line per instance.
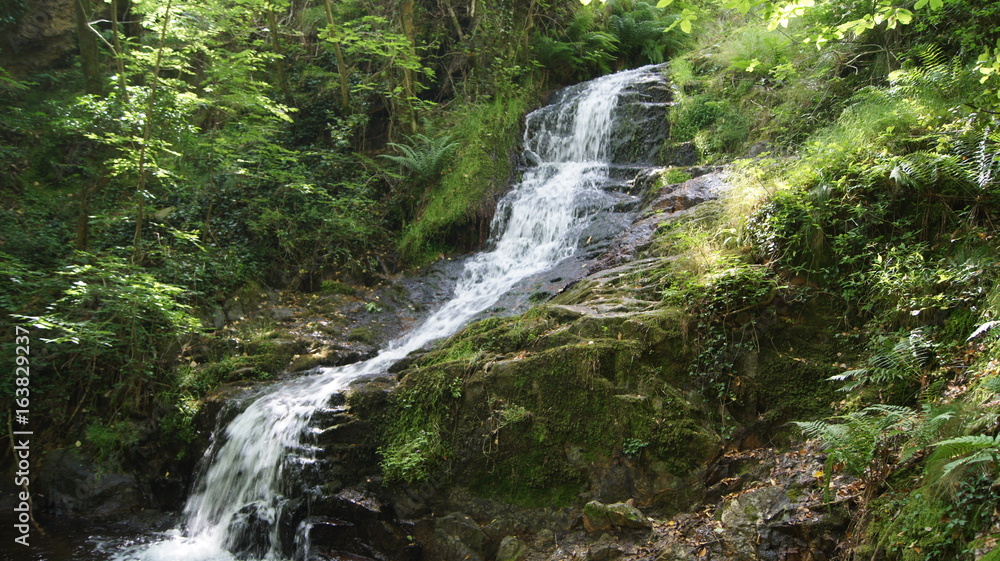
(72, 484)
(512, 549)
(598, 516)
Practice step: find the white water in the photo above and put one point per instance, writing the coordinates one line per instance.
(537, 225)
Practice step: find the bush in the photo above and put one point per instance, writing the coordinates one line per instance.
(111, 333)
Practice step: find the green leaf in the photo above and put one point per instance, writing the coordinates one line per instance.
(661, 3)
(920, 4)
(686, 25)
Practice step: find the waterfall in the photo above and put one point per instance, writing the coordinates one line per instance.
(538, 224)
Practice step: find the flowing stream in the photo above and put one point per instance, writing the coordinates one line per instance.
(538, 224)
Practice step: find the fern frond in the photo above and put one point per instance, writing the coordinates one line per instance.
(927, 171)
(424, 156)
(984, 329)
(991, 384)
(993, 555)
(890, 411)
(965, 445)
(967, 450)
(813, 429)
(847, 374)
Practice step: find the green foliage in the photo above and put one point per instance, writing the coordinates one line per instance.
(641, 33)
(481, 165)
(11, 13)
(178, 427)
(674, 175)
(894, 362)
(857, 439)
(720, 291)
(413, 458)
(112, 441)
(717, 126)
(965, 451)
(583, 52)
(111, 332)
(421, 409)
(633, 446)
(627, 34)
(424, 157)
(956, 518)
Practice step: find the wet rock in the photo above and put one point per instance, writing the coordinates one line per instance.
(288, 345)
(353, 522)
(70, 483)
(760, 148)
(545, 537)
(235, 310)
(332, 356)
(660, 205)
(598, 516)
(604, 551)
(679, 154)
(613, 481)
(512, 549)
(250, 533)
(282, 314)
(447, 547)
(218, 318)
(329, 534)
(464, 528)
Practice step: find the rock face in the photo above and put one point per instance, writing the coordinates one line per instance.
(598, 517)
(512, 549)
(72, 484)
(662, 202)
(45, 34)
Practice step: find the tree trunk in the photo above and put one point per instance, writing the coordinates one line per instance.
(83, 213)
(137, 252)
(119, 53)
(409, 81)
(529, 24)
(279, 62)
(89, 53)
(345, 99)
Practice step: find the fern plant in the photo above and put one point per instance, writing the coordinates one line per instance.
(424, 156)
(903, 362)
(966, 451)
(862, 441)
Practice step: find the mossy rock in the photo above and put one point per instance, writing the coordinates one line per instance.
(789, 376)
(366, 334)
(573, 395)
(598, 517)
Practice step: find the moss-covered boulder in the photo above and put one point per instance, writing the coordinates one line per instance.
(598, 517)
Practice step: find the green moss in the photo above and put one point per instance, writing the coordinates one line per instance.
(337, 287)
(674, 175)
(110, 441)
(794, 383)
(487, 136)
(414, 430)
(363, 334)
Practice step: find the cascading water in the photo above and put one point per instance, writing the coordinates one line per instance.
(239, 497)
